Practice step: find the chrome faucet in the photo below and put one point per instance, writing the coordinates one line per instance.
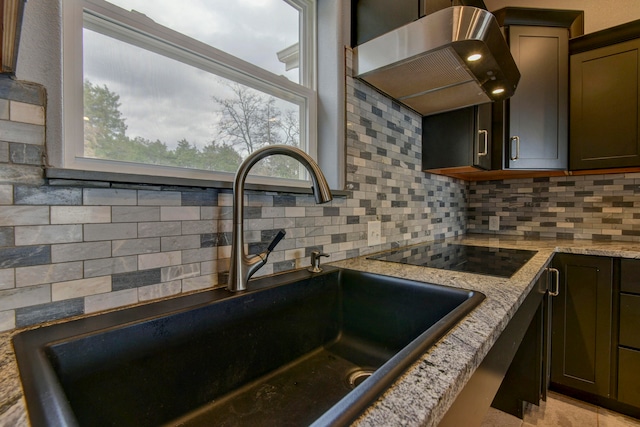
(241, 265)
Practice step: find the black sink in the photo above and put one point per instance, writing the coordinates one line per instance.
(297, 349)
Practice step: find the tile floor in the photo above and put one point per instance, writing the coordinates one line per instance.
(561, 411)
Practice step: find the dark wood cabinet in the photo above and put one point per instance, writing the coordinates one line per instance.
(629, 321)
(629, 376)
(629, 334)
(459, 139)
(595, 353)
(531, 131)
(593, 325)
(582, 324)
(372, 18)
(605, 90)
(630, 276)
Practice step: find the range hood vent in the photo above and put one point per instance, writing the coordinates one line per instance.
(428, 64)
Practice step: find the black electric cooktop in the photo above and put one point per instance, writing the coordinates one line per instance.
(490, 261)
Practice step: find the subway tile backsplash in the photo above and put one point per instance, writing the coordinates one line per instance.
(69, 248)
(594, 207)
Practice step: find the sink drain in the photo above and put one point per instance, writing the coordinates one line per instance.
(356, 377)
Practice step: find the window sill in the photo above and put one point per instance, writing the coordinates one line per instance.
(61, 177)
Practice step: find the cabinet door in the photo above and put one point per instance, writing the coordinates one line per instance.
(537, 114)
(483, 136)
(581, 322)
(457, 138)
(605, 118)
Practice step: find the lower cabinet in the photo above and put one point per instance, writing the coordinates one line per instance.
(595, 350)
(629, 334)
(582, 320)
(629, 376)
(630, 321)
(584, 342)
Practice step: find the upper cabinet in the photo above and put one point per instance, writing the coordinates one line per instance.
(605, 90)
(372, 18)
(458, 141)
(531, 129)
(535, 131)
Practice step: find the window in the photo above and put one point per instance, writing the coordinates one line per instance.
(188, 89)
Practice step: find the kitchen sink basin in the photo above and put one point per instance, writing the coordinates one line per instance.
(295, 349)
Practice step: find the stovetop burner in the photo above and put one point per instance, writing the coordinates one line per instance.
(501, 262)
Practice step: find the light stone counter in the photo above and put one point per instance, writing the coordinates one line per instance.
(428, 388)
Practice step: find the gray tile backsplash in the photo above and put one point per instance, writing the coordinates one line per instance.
(595, 207)
(70, 247)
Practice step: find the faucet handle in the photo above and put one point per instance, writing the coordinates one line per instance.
(276, 240)
(315, 261)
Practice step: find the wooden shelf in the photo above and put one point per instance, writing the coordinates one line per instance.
(472, 174)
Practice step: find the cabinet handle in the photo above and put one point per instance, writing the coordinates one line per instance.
(484, 152)
(556, 282)
(517, 139)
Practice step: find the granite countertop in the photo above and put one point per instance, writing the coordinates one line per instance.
(428, 388)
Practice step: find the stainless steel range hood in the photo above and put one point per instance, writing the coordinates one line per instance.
(428, 64)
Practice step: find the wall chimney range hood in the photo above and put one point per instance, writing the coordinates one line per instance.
(450, 59)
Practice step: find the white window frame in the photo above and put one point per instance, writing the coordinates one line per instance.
(110, 20)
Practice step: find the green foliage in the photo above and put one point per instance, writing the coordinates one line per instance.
(104, 127)
(249, 120)
(220, 158)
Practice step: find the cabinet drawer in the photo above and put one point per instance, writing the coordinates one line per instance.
(630, 320)
(630, 275)
(629, 376)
